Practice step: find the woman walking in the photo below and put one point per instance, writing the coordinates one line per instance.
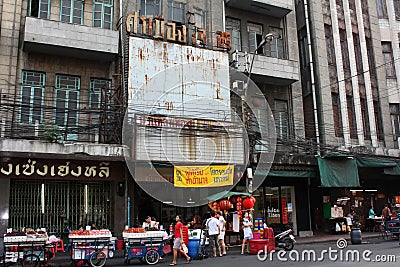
(178, 241)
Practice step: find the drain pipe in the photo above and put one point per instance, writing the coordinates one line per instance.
(313, 90)
(223, 15)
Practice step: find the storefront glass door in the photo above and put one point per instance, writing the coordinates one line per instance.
(280, 207)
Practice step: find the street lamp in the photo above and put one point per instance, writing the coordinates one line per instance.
(268, 38)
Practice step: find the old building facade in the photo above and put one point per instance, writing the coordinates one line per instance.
(348, 64)
(61, 103)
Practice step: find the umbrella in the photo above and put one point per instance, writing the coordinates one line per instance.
(226, 194)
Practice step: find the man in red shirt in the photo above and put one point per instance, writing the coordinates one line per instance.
(178, 241)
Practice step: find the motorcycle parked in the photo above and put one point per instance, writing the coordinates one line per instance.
(285, 240)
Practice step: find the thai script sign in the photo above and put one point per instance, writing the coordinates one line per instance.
(56, 170)
(203, 176)
(157, 28)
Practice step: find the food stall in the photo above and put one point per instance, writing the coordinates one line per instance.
(147, 246)
(91, 246)
(29, 247)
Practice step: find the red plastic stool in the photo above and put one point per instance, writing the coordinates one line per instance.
(59, 246)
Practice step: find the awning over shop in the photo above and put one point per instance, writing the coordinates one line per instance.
(286, 173)
(226, 194)
(338, 172)
(375, 163)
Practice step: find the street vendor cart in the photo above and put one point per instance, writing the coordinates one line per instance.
(92, 247)
(26, 250)
(142, 245)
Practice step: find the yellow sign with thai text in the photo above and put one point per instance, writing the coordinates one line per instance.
(203, 176)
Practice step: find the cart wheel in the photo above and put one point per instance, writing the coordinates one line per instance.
(30, 260)
(152, 257)
(97, 259)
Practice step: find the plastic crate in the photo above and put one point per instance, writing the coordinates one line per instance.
(256, 245)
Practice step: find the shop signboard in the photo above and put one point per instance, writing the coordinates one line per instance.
(203, 176)
(34, 168)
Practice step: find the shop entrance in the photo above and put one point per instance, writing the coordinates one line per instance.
(59, 205)
(277, 205)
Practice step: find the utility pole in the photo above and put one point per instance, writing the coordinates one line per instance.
(268, 38)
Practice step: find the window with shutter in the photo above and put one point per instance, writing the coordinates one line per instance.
(381, 9)
(281, 116)
(32, 97)
(150, 8)
(337, 114)
(395, 120)
(99, 95)
(397, 9)
(330, 48)
(199, 18)
(233, 26)
(67, 104)
(176, 12)
(39, 9)
(352, 116)
(72, 11)
(255, 37)
(276, 46)
(103, 13)
(388, 59)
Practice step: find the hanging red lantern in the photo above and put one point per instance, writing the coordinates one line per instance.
(248, 204)
(253, 199)
(224, 204)
(215, 206)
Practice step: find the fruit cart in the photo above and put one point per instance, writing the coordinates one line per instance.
(142, 245)
(90, 247)
(27, 249)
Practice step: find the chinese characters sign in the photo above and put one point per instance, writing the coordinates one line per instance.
(203, 176)
(157, 28)
(42, 168)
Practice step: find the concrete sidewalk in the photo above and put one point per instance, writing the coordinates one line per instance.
(324, 237)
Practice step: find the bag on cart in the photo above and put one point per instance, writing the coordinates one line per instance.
(167, 249)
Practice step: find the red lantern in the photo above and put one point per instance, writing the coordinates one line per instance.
(215, 206)
(248, 204)
(224, 204)
(253, 199)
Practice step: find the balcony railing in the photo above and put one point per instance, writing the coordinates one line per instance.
(52, 121)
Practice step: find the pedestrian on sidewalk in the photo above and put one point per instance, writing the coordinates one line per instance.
(247, 232)
(221, 236)
(178, 241)
(213, 232)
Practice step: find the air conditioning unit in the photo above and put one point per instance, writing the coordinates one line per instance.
(239, 87)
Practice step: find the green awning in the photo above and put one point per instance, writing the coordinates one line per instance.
(286, 173)
(226, 194)
(375, 163)
(338, 172)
